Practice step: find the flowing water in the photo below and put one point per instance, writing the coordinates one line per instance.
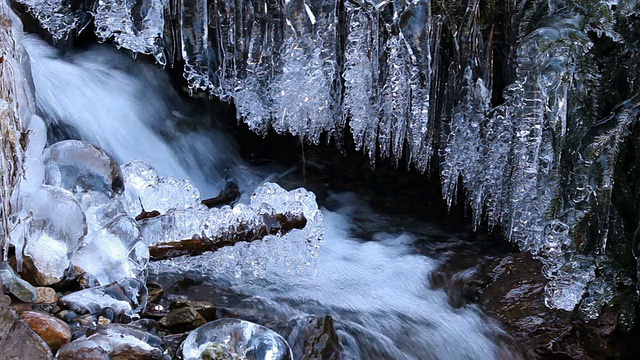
(377, 289)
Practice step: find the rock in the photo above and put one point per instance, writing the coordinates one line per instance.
(172, 342)
(182, 318)
(5, 301)
(155, 292)
(515, 294)
(46, 295)
(14, 285)
(316, 339)
(204, 308)
(55, 332)
(18, 341)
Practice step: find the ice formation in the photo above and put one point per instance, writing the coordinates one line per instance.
(234, 339)
(503, 96)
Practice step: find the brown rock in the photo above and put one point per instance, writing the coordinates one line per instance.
(55, 332)
(155, 292)
(46, 295)
(18, 341)
(182, 319)
(321, 341)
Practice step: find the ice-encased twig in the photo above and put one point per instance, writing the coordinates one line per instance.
(267, 224)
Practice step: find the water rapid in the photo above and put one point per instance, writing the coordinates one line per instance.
(377, 290)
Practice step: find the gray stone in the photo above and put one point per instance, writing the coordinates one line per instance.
(18, 341)
(15, 286)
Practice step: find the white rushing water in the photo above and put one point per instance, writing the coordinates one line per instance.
(377, 291)
(116, 103)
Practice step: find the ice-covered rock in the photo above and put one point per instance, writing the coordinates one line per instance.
(113, 253)
(114, 341)
(127, 296)
(56, 228)
(234, 339)
(78, 167)
(14, 285)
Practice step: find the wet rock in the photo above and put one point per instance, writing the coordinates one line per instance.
(5, 301)
(114, 341)
(515, 296)
(182, 317)
(172, 343)
(233, 338)
(18, 341)
(149, 325)
(315, 338)
(46, 295)
(67, 315)
(206, 309)
(155, 292)
(55, 332)
(14, 285)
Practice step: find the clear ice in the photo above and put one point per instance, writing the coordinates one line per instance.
(234, 339)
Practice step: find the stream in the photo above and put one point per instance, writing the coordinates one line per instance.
(372, 273)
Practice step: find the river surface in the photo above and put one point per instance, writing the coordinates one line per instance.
(373, 270)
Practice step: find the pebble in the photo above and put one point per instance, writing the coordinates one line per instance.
(46, 295)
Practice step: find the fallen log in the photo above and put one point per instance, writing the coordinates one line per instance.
(272, 224)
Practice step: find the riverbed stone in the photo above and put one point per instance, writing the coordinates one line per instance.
(18, 341)
(321, 340)
(55, 332)
(182, 318)
(13, 284)
(46, 295)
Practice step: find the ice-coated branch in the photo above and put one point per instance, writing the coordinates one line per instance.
(271, 224)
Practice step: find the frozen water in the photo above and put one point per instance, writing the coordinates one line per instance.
(112, 254)
(234, 338)
(79, 167)
(175, 225)
(135, 26)
(57, 17)
(56, 228)
(114, 340)
(127, 296)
